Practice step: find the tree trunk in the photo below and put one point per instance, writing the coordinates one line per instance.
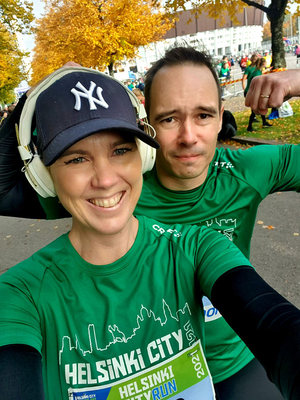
(276, 14)
(111, 69)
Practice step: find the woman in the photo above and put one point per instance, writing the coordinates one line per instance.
(113, 308)
(258, 65)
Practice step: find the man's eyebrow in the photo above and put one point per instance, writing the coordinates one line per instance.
(164, 114)
(208, 110)
(204, 109)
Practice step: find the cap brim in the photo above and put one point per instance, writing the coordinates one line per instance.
(68, 137)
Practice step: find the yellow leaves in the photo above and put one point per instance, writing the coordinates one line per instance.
(223, 10)
(10, 65)
(16, 15)
(95, 33)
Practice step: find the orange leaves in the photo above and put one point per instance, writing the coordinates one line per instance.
(95, 33)
(270, 227)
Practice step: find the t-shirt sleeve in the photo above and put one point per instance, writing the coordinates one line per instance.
(215, 254)
(270, 169)
(19, 317)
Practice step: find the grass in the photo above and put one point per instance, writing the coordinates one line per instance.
(283, 130)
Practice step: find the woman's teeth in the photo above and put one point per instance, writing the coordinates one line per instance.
(107, 203)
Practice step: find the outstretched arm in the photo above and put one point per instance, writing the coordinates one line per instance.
(267, 323)
(271, 90)
(21, 373)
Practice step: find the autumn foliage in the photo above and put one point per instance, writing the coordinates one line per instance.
(95, 33)
(16, 16)
(275, 11)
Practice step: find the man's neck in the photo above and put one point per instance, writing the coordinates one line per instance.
(180, 184)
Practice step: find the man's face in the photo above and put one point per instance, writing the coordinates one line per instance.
(184, 110)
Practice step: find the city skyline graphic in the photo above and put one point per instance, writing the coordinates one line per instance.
(118, 336)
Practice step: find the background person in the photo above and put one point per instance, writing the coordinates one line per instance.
(139, 94)
(297, 53)
(257, 69)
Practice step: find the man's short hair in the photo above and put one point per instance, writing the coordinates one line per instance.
(179, 56)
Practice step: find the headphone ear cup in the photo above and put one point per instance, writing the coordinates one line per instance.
(39, 177)
(148, 154)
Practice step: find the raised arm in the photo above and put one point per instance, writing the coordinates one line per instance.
(17, 197)
(271, 90)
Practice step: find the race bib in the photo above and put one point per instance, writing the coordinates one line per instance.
(184, 376)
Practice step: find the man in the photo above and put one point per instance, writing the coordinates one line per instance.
(196, 184)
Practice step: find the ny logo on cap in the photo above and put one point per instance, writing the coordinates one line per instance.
(88, 94)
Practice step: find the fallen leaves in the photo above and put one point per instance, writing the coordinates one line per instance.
(270, 227)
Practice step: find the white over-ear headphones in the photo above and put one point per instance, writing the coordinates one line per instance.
(35, 171)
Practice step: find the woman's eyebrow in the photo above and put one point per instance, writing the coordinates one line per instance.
(69, 152)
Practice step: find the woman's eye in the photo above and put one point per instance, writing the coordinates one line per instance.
(76, 160)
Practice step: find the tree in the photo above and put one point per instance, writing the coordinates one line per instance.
(95, 33)
(11, 69)
(275, 13)
(16, 16)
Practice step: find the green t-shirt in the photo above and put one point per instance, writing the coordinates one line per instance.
(228, 200)
(251, 73)
(130, 328)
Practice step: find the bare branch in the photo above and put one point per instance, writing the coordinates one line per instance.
(257, 5)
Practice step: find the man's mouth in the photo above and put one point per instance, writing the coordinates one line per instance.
(109, 202)
(187, 156)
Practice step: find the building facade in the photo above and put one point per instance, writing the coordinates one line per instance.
(203, 33)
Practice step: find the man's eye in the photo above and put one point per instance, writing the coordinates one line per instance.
(121, 151)
(76, 160)
(168, 120)
(204, 116)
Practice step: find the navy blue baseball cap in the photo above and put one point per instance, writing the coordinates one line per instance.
(78, 105)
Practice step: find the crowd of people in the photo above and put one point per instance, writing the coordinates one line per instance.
(153, 282)
(6, 111)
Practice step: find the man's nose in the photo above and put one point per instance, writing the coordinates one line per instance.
(187, 133)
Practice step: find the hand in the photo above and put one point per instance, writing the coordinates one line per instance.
(67, 64)
(271, 90)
